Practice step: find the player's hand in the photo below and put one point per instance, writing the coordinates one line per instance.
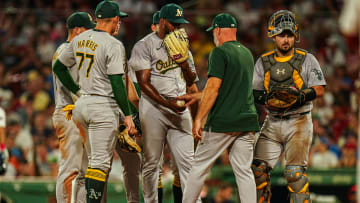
(129, 123)
(197, 130)
(175, 107)
(190, 98)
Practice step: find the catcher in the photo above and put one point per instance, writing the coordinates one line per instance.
(285, 80)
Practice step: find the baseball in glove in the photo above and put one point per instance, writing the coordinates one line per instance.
(127, 142)
(282, 97)
(177, 45)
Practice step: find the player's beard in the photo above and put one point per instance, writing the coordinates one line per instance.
(116, 30)
(167, 29)
(285, 48)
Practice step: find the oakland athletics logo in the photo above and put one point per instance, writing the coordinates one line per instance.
(179, 12)
(93, 194)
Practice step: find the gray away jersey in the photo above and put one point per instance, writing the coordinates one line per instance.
(62, 95)
(166, 74)
(311, 74)
(96, 54)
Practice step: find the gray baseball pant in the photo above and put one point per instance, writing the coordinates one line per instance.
(212, 145)
(70, 185)
(159, 124)
(292, 136)
(97, 118)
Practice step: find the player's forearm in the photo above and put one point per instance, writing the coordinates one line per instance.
(189, 75)
(64, 76)
(132, 93)
(319, 90)
(143, 77)
(120, 95)
(193, 107)
(306, 95)
(151, 92)
(206, 103)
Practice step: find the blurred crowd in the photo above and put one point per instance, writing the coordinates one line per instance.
(31, 30)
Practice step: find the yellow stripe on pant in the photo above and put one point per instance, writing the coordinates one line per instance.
(95, 174)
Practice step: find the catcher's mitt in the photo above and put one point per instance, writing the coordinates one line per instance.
(68, 109)
(282, 97)
(177, 45)
(127, 142)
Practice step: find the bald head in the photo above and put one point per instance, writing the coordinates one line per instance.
(222, 35)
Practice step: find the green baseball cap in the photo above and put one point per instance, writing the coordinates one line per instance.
(108, 9)
(173, 13)
(80, 19)
(156, 18)
(223, 20)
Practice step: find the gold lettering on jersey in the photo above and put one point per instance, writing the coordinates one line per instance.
(164, 67)
(87, 44)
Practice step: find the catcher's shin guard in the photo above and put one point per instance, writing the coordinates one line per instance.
(95, 183)
(262, 180)
(298, 184)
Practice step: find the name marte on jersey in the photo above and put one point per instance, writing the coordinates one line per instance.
(88, 44)
(164, 67)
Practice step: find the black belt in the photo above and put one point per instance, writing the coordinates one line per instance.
(290, 116)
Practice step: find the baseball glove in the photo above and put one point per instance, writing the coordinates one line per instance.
(282, 97)
(127, 142)
(177, 45)
(68, 109)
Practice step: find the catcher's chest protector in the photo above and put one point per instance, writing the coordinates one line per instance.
(283, 73)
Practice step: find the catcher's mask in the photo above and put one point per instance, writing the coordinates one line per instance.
(282, 20)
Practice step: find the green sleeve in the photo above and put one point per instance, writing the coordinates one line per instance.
(64, 76)
(216, 65)
(137, 87)
(120, 93)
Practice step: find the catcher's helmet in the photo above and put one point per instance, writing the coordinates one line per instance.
(282, 20)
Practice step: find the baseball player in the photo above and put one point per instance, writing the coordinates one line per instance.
(4, 156)
(280, 75)
(230, 70)
(101, 60)
(70, 186)
(161, 79)
(177, 192)
(133, 90)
